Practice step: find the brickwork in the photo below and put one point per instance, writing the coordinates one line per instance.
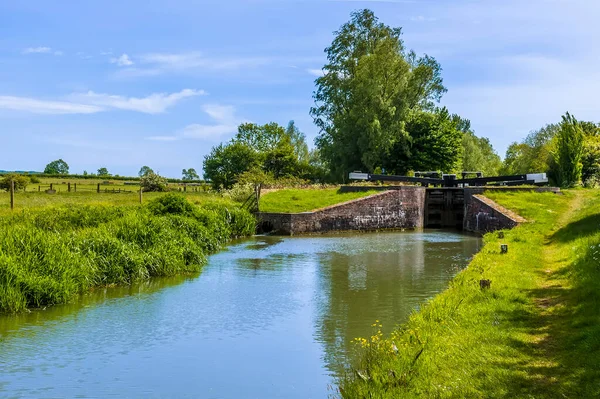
(395, 209)
(483, 215)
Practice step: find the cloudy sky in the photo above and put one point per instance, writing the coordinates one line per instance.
(123, 84)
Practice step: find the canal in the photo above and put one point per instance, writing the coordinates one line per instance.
(268, 317)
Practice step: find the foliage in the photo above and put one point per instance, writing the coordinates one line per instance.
(144, 170)
(369, 86)
(190, 174)
(533, 154)
(566, 168)
(479, 155)
(298, 141)
(103, 172)
(536, 324)
(227, 161)
(153, 182)
(590, 161)
(51, 255)
(34, 179)
(303, 200)
(434, 144)
(20, 182)
(58, 167)
(277, 151)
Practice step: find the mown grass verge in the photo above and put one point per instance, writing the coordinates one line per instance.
(534, 334)
(302, 200)
(50, 255)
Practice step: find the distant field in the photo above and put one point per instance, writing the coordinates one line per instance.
(35, 200)
(298, 200)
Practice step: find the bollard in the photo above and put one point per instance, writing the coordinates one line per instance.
(503, 248)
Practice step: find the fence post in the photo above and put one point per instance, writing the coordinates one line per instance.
(69, 186)
(75, 187)
(185, 187)
(50, 186)
(12, 195)
(98, 188)
(141, 189)
(39, 188)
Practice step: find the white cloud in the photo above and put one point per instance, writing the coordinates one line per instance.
(316, 72)
(226, 124)
(59, 53)
(90, 102)
(152, 104)
(122, 60)
(37, 50)
(46, 107)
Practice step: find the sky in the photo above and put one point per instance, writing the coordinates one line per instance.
(122, 84)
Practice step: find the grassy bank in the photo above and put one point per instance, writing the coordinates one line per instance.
(534, 334)
(50, 255)
(300, 200)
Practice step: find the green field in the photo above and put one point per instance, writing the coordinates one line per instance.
(534, 334)
(299, 200)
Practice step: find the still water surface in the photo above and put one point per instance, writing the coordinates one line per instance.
(268, 317)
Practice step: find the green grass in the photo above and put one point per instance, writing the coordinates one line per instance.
(299, 200)
(50, 255)
(37, 200)
(534, 334)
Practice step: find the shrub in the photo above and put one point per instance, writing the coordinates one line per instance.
(173, 204)
(153, 182)
(21, 182)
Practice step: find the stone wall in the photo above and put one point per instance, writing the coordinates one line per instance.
(483, 215)
(400, 208)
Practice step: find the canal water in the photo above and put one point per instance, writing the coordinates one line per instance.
(269, 317)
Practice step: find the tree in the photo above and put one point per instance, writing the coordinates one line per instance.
(58, 167)
(190, 174)
(260, 138)
(103, 172)
(144, 171)
(298, 141)
(153, 182)
(282, 160)
(226, 162)
(568, 154)
(369, 87)
(434, 143)
(479, 155)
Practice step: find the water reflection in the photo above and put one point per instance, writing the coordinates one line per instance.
(269, 317)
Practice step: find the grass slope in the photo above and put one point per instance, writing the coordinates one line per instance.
(534, 334)
(299, 200)
(50, 255)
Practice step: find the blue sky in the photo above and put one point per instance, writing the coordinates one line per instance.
(123, 84)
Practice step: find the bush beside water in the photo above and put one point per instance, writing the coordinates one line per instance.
(49, 256)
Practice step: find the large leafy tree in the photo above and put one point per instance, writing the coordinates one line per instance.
(103, 172)
(434, 143)
(370, 85)
(226, 162)
(58, 167)
(478, 155)
(260, 138)
(144, 170)
(190, 174)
